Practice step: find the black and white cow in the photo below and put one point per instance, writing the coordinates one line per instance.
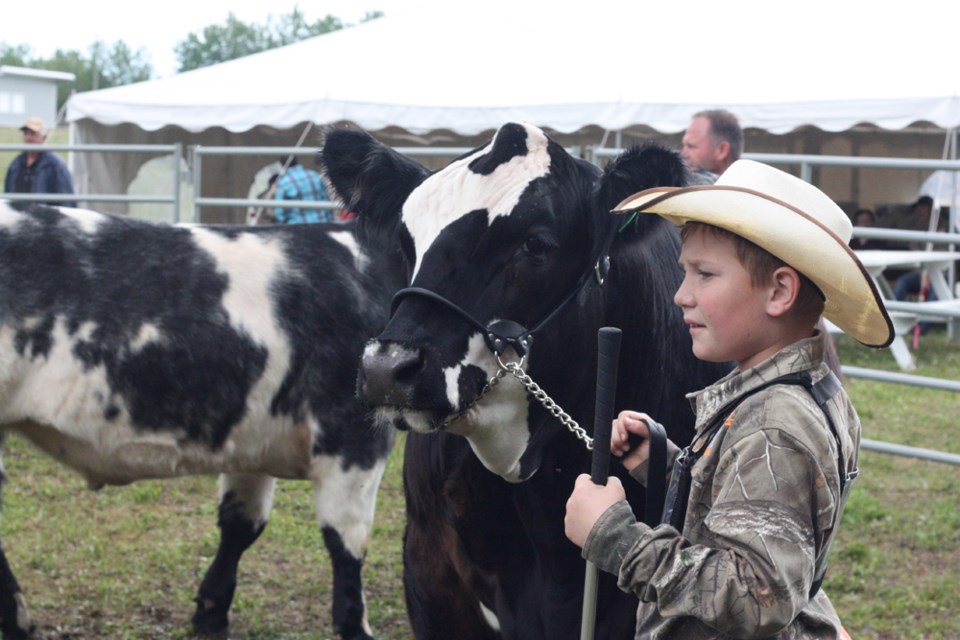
(132, 350)
(509, 238)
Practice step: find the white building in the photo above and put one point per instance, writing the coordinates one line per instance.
(29, 92)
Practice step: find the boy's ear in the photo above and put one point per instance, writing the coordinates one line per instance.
(785, 287)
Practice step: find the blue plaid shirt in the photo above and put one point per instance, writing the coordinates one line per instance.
(298, 183)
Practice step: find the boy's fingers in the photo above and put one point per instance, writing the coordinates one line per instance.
(637, 424)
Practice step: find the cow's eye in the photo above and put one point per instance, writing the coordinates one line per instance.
(536, 247)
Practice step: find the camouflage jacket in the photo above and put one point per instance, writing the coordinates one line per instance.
(762, 509)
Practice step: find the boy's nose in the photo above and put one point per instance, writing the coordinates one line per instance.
(681, 298)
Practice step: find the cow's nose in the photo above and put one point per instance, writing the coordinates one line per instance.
(390, 378)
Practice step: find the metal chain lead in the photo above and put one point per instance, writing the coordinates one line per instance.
(515, 369)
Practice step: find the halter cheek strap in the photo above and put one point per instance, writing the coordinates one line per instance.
(501, 334)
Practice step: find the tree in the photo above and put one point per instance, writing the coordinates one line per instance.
(14, 56)
(117, 64)
(106, 66)
(235, 38)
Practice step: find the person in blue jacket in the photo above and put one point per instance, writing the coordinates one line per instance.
(300, 183)
(38, 171)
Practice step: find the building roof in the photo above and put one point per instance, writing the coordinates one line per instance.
(38, 74)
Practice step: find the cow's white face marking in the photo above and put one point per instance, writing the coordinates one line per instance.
(496, 427)
(455, 191)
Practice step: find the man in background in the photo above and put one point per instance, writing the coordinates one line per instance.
(38, 171)
(711, 143)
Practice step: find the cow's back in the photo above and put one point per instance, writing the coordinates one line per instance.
(159, 350)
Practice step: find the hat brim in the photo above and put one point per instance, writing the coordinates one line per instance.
(852, 300)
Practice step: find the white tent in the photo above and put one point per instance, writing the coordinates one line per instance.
(451, 75)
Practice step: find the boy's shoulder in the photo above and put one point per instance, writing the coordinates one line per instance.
(789, 409)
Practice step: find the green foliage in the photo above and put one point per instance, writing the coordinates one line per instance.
(112, 65)
(102, 67)
(14, 56)
(234, 38)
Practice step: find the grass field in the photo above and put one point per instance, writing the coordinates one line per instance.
(895, 571)
(123, 563)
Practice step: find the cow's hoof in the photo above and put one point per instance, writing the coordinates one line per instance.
(14, 632)
(18, 625)
(210, 624)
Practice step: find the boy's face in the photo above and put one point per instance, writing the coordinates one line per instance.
(727, 315)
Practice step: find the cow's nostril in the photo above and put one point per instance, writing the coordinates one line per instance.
(391, 378)
(407, 369)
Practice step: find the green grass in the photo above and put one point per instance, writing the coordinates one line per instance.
(125, 562)
(895, 568)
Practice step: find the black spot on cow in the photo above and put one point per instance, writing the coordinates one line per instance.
(509, 143)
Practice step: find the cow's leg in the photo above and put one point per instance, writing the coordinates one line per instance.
(15, 622)
(245, 503)
(345, 500)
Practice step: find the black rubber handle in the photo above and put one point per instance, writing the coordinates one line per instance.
(608, 359)
(656, 474)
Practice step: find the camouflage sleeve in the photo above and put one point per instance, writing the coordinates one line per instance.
(751, 571)
(612, 537)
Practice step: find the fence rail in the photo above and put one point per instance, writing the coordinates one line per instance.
(176, 150)
(805, 162)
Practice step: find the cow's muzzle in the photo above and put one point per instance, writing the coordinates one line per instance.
(390, 378)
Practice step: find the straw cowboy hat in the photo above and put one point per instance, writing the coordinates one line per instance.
(794, 221)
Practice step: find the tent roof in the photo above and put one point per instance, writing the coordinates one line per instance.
(831, 65)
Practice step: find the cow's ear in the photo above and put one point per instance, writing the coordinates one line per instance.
(372, 180)
(637, 169)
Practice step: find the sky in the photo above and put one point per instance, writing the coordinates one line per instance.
(157, 27)
(842, 30)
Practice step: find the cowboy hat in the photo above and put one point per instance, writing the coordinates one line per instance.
(794, 221)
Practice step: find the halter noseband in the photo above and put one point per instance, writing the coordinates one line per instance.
(500, 334)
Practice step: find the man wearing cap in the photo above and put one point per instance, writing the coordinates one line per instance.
(755, 501)
(36, 171)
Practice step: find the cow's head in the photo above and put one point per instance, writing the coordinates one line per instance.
(506, 249)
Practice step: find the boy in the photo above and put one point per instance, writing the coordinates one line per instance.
(756, 499)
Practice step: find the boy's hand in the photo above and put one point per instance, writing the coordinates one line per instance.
(587, 503)
(624, 425)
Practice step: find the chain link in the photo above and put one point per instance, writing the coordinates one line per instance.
(515, 369)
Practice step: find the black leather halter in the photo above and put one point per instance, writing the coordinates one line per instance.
(500, 334)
